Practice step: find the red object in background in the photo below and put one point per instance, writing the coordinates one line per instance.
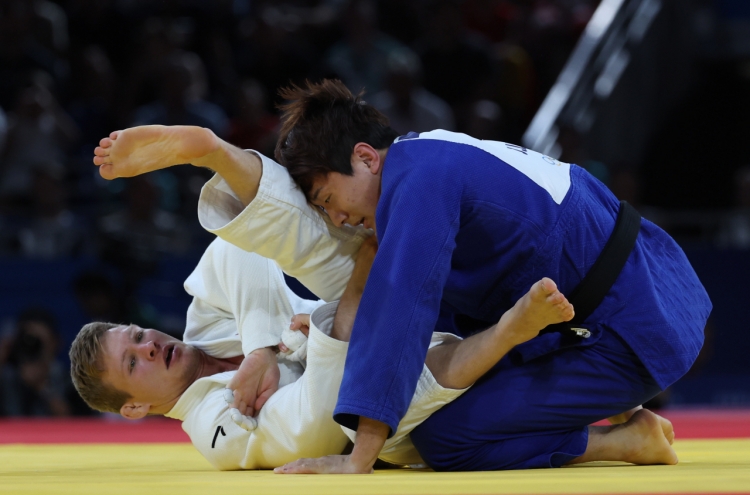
(707, 423)
(688, 424)
(91, 430)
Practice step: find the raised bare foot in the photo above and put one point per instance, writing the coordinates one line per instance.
(644, 439)
(139, 150)
(543, 305)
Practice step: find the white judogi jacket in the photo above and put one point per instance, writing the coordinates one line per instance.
(241, 303)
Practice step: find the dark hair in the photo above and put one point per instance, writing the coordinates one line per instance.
(321, 123)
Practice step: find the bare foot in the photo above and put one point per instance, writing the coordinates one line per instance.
(644, 439)
(666, 425)
(623, 417)
(641, 440)
(138, 150)
(543, 305)
(666, 428)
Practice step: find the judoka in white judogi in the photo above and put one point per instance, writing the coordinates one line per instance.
(242, 303)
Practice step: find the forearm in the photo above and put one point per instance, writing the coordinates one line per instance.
(371, 436)
(240, 169)
(349, 303)
(347, 309)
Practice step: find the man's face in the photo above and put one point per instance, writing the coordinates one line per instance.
(149, 365)
(349, 199)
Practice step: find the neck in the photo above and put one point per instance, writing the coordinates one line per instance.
(207, 366)
(210, 365)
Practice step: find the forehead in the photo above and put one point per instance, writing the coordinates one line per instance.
(113, 343)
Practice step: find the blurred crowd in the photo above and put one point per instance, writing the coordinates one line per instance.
(72, 71)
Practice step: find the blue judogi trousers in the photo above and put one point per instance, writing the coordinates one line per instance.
(532, 410)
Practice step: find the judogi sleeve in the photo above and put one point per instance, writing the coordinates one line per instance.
(236, 291)
(279, 224)
(295, 422)
(417, 223)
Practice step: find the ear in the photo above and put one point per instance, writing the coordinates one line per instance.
(134, 410)
(368, 155)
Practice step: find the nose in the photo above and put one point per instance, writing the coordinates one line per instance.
(337, 217)
(149, 350)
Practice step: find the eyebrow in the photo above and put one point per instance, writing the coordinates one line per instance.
(124, 353)
(315, 194)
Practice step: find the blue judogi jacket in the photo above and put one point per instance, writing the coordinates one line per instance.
(465, 227)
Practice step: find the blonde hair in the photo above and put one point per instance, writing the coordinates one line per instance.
(86, 369)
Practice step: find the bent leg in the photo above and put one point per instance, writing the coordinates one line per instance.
(555, 396)
(460, 363)
(140, 150)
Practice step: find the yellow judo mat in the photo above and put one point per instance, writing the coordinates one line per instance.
(706, 466)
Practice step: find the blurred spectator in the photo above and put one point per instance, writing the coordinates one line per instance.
(102, 301)
(491, 18)
(455, 61)
(34, 382)
(33, 36)
(40, 132)
(485, 120)
(92, 103)
(407, 104)
(360, 59)
(137, 236)
(3, 130)
(274, 51)
(735, 227)
(52, 29)
(254, 127)
(513, 87)
(53, 230)
(181, 100)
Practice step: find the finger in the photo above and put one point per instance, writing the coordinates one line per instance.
(283, 348)
(300, 466)
(299, 321)
(244, 422)
(241, 405)
(229, 397)
(263, 398)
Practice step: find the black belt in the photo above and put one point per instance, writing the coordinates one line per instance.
(590, 292)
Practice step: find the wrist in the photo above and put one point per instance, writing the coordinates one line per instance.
(265, 352)
(371, 436)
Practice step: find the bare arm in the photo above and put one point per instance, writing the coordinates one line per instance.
(347, 309)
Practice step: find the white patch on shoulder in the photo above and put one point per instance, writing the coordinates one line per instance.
(550, 174)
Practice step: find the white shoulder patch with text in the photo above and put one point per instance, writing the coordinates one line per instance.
(550, 174)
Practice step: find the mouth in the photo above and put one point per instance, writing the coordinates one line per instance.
(168, 356)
